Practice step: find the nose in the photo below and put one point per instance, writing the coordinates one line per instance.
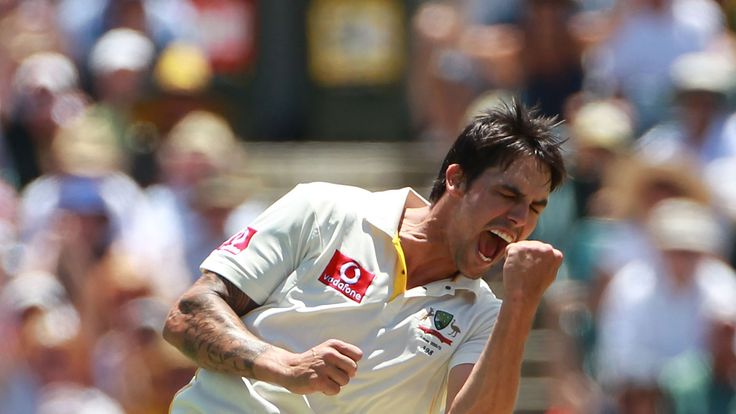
(518, 214)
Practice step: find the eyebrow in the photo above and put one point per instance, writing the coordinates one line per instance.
(516, 192)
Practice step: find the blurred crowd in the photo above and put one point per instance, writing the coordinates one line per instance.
(123, 164)
(644, 309)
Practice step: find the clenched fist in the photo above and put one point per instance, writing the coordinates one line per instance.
(529, 269)
(325, 368)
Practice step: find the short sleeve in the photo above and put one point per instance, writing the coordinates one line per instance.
(470, 350)
(258, 258)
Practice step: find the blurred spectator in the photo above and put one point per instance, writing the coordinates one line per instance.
(227, 205)
(608, 237)
(26, 28)
(579, 220)
(182, 77)
(656, 309)
(701, 125)
(183, 69)
(705, 382)
(134, 365)
(632, 187)
(551, 56)
(120, 69)
(46, 97)
(87, 163)
(600, 136)
(45, 345)
(163, 21)
(119, 64)
(649, 37)
(108, 285)
(440, 87)
(80, 234)
(538, 55)
(198, 149)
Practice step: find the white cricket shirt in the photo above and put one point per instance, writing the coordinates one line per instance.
(325, 262)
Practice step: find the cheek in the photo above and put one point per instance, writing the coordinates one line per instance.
(531, 224)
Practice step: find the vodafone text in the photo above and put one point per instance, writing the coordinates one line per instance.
(342, 287)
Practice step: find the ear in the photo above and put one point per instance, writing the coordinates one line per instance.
(454, 180)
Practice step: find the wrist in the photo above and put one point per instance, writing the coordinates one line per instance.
(271, 365)
(519, 306)
(521, 300)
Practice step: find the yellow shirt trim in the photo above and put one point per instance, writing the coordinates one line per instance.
(400, 279)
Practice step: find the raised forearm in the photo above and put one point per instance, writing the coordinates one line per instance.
(493, 383)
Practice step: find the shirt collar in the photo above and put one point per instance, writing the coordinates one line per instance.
(453, 286)
(385, 208)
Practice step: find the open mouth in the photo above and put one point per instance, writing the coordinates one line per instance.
(492, 244)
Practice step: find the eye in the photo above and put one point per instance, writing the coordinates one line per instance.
(507, 195)
(536, 209)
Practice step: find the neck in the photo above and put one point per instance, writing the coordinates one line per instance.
(428, 257)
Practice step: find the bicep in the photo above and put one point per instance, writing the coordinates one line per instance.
(211, 300)
(459, 374)
(211, 283)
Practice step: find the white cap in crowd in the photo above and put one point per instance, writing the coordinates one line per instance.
(704, 72)
(121, 49)
(684, 224)
(48, 70)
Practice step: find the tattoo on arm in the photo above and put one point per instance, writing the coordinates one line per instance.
(211, 332)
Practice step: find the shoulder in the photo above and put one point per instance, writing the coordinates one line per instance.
(485, 304)
(328, 198)
(485, 294)
(331, 201)
(321, 193)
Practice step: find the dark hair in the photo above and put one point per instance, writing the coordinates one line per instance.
(498, 137)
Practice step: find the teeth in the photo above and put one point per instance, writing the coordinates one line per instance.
(507, 237)
(485, 258)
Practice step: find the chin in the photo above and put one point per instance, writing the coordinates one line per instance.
(480, 268)
(477, 272)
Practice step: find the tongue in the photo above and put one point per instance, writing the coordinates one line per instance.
(489, 244)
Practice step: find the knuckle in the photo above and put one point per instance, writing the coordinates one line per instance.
(358, 352)
(342, 381)
(331, 388)
(330, 355)
(333, 343)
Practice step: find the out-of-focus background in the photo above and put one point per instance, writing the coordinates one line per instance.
(137, 135)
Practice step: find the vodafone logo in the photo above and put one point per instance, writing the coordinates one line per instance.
(238, 242)
(344, 273)
(346, 276)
